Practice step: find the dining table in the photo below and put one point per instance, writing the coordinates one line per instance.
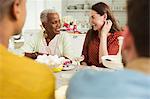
(63, 78)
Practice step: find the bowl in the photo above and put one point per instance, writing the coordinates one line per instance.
(112, 61)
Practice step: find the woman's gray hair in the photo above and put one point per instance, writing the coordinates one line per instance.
(44, 14)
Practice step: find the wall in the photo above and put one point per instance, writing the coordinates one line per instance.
(118, 7)
(34, 8)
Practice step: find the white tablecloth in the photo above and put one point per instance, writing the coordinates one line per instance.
(63, 77)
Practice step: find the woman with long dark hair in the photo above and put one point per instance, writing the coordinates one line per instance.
(102, 39)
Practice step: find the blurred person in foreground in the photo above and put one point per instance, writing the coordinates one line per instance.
(134, 81)
(50, 40)
(20, 77)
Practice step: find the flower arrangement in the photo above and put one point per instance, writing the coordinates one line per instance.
(69, 24)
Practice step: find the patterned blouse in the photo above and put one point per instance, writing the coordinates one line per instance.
(91, 47)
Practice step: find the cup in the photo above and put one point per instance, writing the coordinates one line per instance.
(112, 61)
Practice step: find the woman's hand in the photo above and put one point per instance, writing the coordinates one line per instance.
(103, 39)
(106, 28)
(31, 55)
(84, 64)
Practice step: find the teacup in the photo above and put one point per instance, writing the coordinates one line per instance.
(112, 61)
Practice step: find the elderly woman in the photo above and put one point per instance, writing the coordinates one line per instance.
(50, 41)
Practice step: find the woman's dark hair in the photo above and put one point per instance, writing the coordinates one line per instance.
(101, 8)
(138, 22)
(5, 8)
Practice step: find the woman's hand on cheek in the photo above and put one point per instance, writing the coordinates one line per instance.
(106, 28)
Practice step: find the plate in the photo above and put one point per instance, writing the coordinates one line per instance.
(68, 67)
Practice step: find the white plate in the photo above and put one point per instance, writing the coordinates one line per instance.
(68, 67)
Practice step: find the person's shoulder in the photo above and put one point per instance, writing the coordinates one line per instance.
(86, 78)
(33, 64)
(21, 63)
(92, 74)
(107, 75)
(90, 31)
(100, 82)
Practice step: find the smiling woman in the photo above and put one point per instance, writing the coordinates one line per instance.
(50, 41)
(102, 39)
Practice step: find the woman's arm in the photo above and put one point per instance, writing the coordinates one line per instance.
(103, 47)
(32, 55)
(103, 39)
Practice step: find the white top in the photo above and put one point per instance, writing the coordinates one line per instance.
(52, 47)
(60, 45)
